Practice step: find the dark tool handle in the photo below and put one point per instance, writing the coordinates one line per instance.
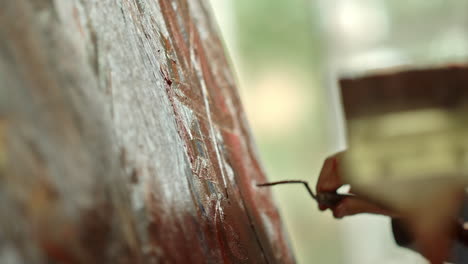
(331, 199)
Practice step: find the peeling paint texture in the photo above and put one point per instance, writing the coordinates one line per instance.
(123, 139)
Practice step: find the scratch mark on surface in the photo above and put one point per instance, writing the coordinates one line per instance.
(212, 133)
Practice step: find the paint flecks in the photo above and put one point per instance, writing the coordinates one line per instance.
(269, 227)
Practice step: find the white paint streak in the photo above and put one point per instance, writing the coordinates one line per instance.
(158, 17)
(229, 171)
(187, 118)
(174, 5)
(200, 76)
(271, 232)
(219, 210)
(138, 203)
(198, 17)
(212, 129)
(180, 93)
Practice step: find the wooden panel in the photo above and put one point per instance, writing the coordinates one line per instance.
(123, 139)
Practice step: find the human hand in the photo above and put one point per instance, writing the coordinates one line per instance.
(330, 180)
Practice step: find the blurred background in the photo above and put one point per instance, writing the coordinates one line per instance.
(287, 56)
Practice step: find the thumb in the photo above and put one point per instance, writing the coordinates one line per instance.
(329, 179)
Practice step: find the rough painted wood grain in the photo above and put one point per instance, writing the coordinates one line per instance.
(123, 139)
